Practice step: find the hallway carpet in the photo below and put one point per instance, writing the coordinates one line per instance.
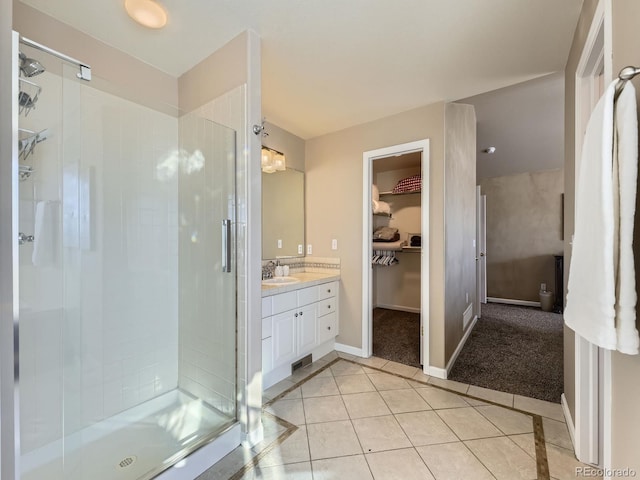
(396, 336)
(516, 350)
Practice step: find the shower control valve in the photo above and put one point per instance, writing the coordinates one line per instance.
(24, 238)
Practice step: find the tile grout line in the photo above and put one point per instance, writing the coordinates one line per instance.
(291, 428)
(542, 465)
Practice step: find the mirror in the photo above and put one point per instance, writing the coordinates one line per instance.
(282, 214)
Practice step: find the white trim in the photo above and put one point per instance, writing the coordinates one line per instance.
(367, 317)
(443, 373)
(592, 435)
(568, 420)
(358, 352)
(463, 340)
(398, 308)
(510, 301)
(436, 372)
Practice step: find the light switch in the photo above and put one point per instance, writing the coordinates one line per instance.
(279, 243)
(309, 249)
(334, 244)
(300, 249)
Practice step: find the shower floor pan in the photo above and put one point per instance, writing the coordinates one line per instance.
(129, 445)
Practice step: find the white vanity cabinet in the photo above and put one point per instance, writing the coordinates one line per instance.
(295, 324)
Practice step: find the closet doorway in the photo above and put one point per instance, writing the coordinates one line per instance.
(396, 252)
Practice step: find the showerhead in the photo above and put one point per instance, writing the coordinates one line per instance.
(29, 66)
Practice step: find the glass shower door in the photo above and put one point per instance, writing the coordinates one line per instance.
(128, 310)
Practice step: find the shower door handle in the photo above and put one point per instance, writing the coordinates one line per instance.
(226, 245)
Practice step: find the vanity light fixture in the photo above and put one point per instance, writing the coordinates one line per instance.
(489, 150)
(272, 160)
(148, 13)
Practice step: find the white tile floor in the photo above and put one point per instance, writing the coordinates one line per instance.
(374, 419)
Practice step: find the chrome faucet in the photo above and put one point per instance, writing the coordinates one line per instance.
(268, 270)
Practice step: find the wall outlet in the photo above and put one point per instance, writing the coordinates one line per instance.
(543, 287)
(334, 244)
(300, 249)
(309, 250)
(279, 243)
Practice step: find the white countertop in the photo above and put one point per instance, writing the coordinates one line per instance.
(307, 279)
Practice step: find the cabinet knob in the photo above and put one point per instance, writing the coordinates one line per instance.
(328, 328)
(300, 313)
(328, 306)
(328, 290)
(295, 315)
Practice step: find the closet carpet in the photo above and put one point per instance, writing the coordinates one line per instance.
(396, 336)
(516, 350)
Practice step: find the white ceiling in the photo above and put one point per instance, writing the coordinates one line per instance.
(331, 64)
(525, 122)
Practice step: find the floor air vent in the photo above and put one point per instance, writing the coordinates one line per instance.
(303, 362)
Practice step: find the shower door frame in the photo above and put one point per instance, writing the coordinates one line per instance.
(9, 374)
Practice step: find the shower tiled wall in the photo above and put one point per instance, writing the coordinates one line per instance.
(99, 317)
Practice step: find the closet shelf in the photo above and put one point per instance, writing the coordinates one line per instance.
(401, 193)
(380, 214)
(407, 248)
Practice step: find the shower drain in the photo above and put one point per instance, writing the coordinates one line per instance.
(128, 461)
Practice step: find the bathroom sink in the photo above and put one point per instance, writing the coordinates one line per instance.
(280, 281)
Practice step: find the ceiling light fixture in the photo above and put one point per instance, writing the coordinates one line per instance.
(148, 13)
(489, 150)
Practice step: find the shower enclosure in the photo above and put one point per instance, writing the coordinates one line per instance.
(127, 277)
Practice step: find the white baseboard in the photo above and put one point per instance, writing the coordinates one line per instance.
(340, 347)
(467, 332)
(399, 308)
(569, 421)
(510, 301)
(437, 372)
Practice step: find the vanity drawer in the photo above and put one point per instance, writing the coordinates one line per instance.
(284, 302)
(266, 307)
(267, 327)
(307, 295)
(327, 327)
(327, 306)
(327, 290)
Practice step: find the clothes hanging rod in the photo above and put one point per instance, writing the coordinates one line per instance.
(626, 74)
(85, 70)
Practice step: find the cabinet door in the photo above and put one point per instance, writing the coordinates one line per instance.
(267, 355)
(307, 330)
(327, 327)
(284, 338)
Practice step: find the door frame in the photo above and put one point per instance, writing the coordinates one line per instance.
(591, 433)
(481, 250)
(367, 277)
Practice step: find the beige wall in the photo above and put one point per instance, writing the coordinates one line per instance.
(291, 145)
(625, 369)
(205, 82)
(334, 209)
(460, 219)
(524, 223)
(113, 71)
(579, 38)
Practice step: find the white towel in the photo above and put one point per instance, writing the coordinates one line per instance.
(626, 154)
(45, 235)
(381, 207)
(594, 288)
